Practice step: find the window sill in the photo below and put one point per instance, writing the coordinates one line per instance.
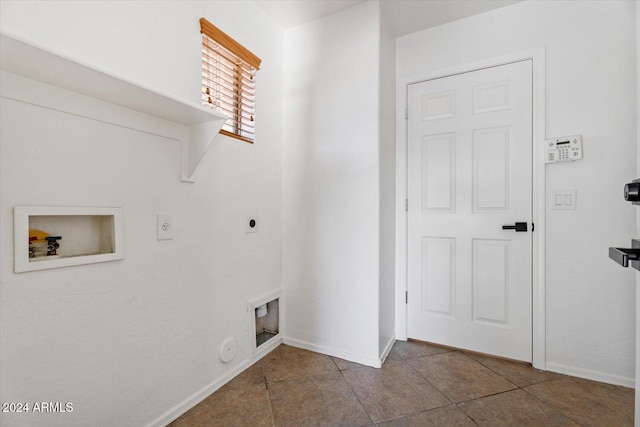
(233, 135)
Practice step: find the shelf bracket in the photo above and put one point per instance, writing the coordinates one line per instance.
(199, 139)
(38, 64)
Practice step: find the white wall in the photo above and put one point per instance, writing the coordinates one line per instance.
(590, 73)
(133, 340)
(331, 184)
(387, 161)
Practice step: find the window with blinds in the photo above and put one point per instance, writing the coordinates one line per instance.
(228, 81)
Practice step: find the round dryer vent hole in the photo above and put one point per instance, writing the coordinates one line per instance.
(228, 350)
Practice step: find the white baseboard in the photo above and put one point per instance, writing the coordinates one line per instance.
(329, 351)
(267, 347)
(200, 395)
(591, 375)
(203, 393)
(387, 348)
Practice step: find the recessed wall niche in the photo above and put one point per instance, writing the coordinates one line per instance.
(267, 325)
(48, 237)
(265, 315)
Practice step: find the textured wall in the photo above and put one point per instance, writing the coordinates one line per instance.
(590, 73)
(133, 340)
(331, 183)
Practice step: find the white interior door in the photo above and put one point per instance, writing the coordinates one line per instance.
(470, 173)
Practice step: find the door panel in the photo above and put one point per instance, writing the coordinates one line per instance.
(439, 106)
(438, 275)
(469, 173)
(491, 280)
(491, 169)
(439, 172)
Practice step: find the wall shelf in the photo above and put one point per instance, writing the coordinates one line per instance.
(88, 235)
(36, 63)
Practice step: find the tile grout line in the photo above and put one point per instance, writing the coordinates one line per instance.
(518, 387)
(523, 382)
(568, 416)
(425, 378)
(406, 362)
(266, 385)
(457, 404)
(354, 392)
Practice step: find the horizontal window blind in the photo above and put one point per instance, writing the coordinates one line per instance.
(228, 80)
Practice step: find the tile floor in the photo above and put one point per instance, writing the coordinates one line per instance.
(419, 385)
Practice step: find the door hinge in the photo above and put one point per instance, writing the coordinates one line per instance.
(533, 227)
(406, 205)
(406, 297)
(406, 112)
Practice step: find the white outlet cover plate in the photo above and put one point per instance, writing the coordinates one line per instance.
(164, 227)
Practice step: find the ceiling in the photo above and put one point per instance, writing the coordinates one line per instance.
(404, 16)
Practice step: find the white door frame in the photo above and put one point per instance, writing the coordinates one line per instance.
(538, 181)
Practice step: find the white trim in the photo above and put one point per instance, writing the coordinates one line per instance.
(330, 351)
(273, 342)
(387, 349)
(22, 89)
(203, 393)
(37, 64)
(591, 375)
(256, 355)
(199, 396)
(538, 181)
(539, 211)
(21, 225)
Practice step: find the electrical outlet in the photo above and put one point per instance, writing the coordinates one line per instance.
(252, 224)
(164, 227)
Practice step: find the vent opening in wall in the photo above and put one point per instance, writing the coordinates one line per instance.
(267, 322)
(265, 315)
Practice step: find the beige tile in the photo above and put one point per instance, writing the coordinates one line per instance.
(520, 373)
(514, 408)
(589, 403)
(195, 417)
(345, 364)
(252, 376)
(248, 406)
(287, 363)
(393, 355)
(393, 390)
(296, 387)
(411, 349)
(321, 400)
(459, 377)
(449, 416)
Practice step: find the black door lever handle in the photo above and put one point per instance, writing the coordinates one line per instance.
(623, 255)
(519, 226)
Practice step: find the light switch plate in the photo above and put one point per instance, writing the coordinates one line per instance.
(164, 227)
(563, 199)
